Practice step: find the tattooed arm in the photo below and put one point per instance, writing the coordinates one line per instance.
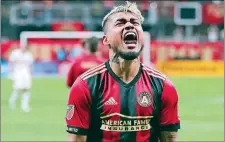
(167, 136)
(76, 138)
(169, 119)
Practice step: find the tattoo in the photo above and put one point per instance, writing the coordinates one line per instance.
(168, 136)
(115, 58)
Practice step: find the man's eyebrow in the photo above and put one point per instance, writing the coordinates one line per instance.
(133, 19)
(121, 20)
(124, 20)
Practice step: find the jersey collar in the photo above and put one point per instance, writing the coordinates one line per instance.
(121, 82)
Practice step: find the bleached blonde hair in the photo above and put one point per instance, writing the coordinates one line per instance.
(128, 7)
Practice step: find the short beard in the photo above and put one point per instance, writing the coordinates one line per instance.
(129, 55)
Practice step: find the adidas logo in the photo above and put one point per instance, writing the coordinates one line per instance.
(111, 101)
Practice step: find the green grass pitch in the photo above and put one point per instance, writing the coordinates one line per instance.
(201, 108)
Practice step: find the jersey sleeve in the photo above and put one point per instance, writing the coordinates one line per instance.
(169, 119)
(78, 108)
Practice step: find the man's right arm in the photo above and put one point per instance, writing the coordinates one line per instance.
(76, 138)
(78, 111)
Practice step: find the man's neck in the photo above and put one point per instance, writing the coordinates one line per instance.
(124, 69)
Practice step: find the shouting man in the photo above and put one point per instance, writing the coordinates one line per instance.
(122, 99)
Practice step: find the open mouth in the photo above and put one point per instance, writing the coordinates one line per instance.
(130, 38)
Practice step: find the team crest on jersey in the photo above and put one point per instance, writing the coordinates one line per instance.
(144, 99)
(69, 112)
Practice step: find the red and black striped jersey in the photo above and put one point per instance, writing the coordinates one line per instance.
(105, 108)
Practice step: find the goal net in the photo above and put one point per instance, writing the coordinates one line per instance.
(26, 36)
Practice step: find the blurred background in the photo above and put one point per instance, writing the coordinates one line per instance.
(186, 44)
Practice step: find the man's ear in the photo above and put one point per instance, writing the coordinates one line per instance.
(105, 40)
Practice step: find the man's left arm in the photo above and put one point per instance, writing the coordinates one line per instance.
(169, 119)
(167, 136)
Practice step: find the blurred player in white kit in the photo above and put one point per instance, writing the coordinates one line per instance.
(20, 61)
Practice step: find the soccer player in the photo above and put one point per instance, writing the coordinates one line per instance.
(20, 61)
(88, 59)
(122, 99)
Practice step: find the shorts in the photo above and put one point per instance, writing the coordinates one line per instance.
(22, 81)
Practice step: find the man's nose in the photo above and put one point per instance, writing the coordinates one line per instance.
(129, 26)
